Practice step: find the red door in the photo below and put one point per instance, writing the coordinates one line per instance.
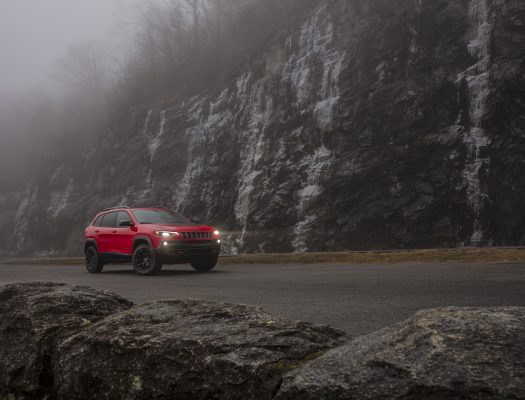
(106, 233)
(123, 236)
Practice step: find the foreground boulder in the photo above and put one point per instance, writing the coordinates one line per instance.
(445, 353)
(34, 318)
(187, 349)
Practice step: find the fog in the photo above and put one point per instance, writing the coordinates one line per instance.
(35, 33)
(71, 70)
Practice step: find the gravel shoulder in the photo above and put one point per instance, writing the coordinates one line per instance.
(498, 254)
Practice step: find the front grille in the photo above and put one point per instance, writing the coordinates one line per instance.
(196, 235)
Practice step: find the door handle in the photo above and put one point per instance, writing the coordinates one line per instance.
(115, 231)
(97, 231)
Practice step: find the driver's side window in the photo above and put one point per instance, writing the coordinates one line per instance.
(122, 216)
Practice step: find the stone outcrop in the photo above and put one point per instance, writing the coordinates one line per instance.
(34, 319)
(187, 349)
(449, 353)
(70, 342)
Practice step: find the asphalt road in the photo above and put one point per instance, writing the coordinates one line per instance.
(356, 298)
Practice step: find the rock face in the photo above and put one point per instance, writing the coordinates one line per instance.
(366, 124)
(437, 354)
(504, 123)
(187, 350)
(34, 318)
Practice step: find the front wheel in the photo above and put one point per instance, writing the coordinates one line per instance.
(145, 262)
(94, 264)
(204, 264)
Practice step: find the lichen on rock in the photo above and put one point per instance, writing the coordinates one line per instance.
(448, 353)
(34, 319)
(187, 349)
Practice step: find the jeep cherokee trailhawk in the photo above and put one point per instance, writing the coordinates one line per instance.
(149, 237)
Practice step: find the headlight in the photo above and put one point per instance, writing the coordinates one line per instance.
(216, 233)
(166, 234)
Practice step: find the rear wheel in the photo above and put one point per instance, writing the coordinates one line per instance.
(145, 262)
(204, 264)
(94, 264)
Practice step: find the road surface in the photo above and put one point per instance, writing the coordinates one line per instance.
(356, 298)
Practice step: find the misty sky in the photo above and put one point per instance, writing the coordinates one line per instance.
(35, 33)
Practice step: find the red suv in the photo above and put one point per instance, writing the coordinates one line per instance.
(149, 237)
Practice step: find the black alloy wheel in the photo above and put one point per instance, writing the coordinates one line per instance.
(145, 262)
(94, 264)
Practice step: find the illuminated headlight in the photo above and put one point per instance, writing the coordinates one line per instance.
(216, 233)
(166, 234)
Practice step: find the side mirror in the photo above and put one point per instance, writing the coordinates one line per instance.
(126, 223)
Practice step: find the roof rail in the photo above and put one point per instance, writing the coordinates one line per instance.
(114, 208)
(166, 208)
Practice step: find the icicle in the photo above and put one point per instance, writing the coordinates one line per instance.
(477, 78)
(154, 141)
(317, 164)
(260, 109)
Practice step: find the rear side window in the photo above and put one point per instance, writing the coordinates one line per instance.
(123, 216)
(98, 220)
(109, 220)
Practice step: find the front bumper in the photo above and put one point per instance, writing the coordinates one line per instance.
(180, 252)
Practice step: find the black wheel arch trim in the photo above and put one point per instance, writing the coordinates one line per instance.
(90, 242)
(140, 239)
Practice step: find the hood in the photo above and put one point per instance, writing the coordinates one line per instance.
(181, 228)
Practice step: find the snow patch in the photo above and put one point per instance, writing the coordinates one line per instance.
(195, 162)
(23, 214)
(316, 164)
(154, 140)
(300, 230)
(477, 78)
(146, 123)
(314, 46)
(124, 201)
(315, 53)
(205, 127)
(324, 110)
(259, 109)
(59, 200)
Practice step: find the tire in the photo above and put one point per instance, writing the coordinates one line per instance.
(94, 263)
(204, 264)
(145, 261)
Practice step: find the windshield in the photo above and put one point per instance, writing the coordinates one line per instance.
(163, 217)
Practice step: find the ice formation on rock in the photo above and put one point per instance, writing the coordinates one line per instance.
(477, 78)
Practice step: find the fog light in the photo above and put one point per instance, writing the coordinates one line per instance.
(165, 243)
(218, 241)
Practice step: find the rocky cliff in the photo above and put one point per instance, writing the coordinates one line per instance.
(364, 124)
